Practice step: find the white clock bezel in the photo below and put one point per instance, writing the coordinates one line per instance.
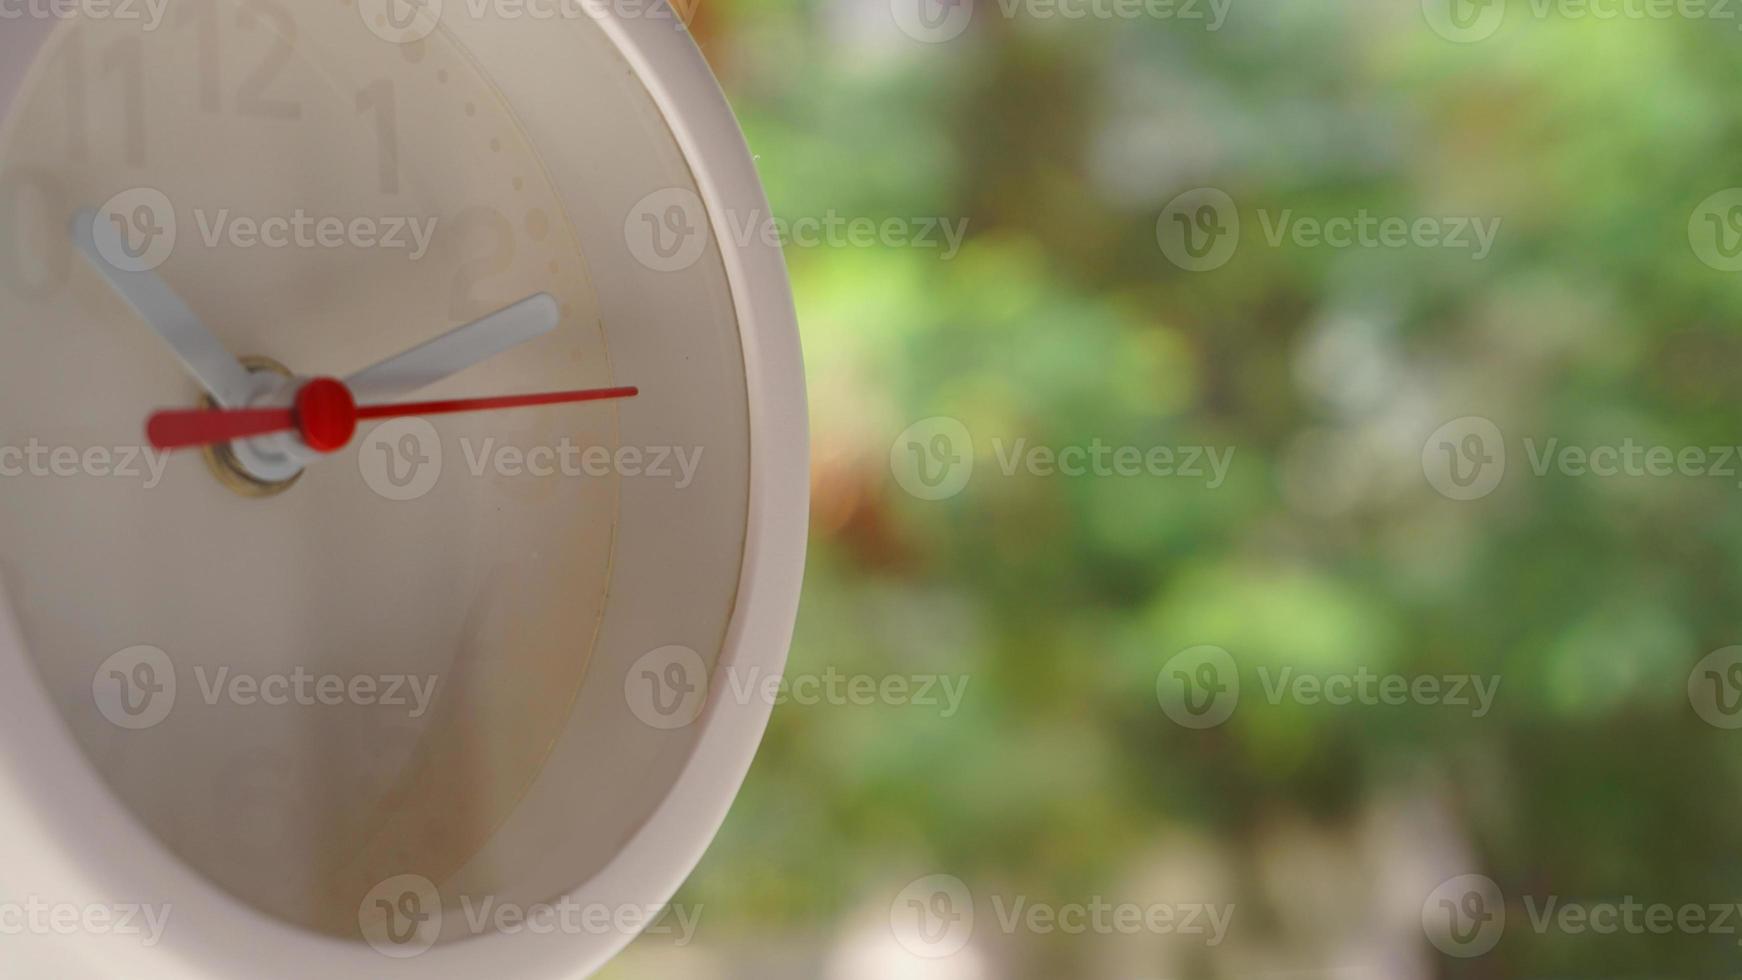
(63, 832)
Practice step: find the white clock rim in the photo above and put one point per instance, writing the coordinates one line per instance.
(60, 825)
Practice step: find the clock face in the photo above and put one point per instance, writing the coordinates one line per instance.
(418, 654)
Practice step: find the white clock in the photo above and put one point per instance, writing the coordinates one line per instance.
(476, 469)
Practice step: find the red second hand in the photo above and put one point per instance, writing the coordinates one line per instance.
(326, 416)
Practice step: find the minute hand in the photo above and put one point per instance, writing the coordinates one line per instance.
(457, 350)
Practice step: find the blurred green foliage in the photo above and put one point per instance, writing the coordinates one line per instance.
(1062, 322)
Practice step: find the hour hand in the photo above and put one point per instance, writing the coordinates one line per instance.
(429, 363)
(457, 350)
(212, 366)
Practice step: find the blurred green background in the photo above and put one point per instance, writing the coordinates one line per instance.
(1334, 546)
